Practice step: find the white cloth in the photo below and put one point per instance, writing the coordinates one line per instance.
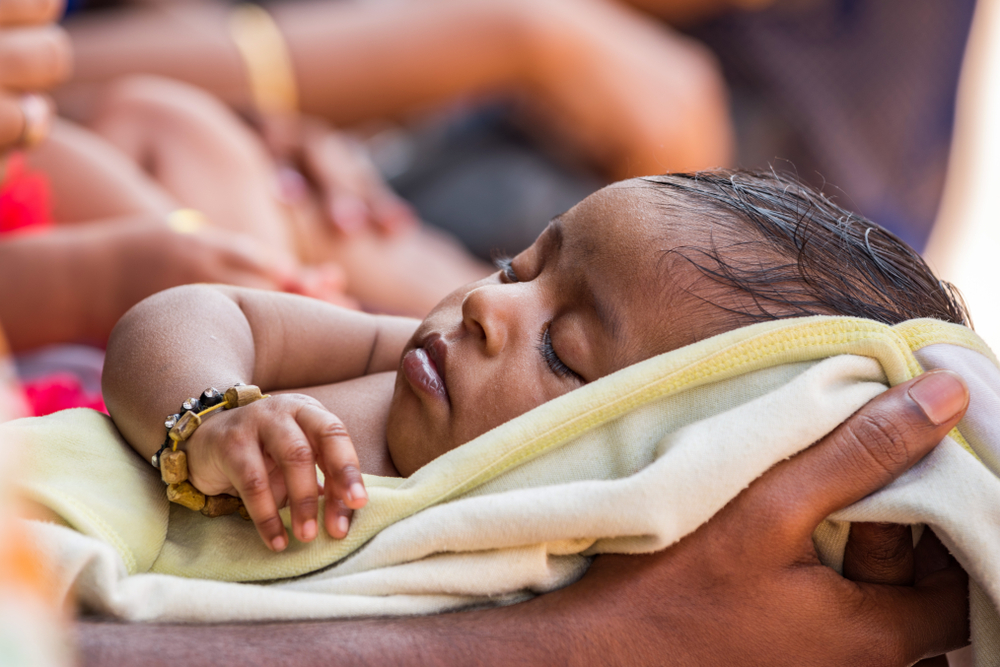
(630, 463)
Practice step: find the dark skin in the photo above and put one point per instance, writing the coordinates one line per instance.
(745, 588)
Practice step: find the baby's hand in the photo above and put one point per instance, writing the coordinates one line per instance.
(266, 453)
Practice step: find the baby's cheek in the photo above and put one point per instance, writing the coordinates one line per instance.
(413, 445)
(506, 405)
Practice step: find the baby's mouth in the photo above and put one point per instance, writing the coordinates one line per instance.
(424, 367)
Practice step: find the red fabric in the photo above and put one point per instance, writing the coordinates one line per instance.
(60, 391)
(25, 198)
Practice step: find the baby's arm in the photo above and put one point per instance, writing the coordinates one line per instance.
(179, 342)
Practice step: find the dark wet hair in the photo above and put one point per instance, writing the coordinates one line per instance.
(786, 250)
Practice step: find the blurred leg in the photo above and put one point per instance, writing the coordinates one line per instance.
(205, 157)
(197, 150)
(92, 180)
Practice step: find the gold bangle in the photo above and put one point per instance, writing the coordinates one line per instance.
(266, 58)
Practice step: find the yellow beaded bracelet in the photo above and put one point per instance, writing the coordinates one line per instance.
(172, 461)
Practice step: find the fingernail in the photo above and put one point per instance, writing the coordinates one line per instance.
(279, 543)
(343, 524)
(940, 394)
(309, 529)
(356, 492)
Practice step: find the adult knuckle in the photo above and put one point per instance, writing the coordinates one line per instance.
(46, 60)
(882, 555)
(880, 564)
(62, 55)
(880, 440)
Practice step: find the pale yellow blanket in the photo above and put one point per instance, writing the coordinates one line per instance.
(630, 463)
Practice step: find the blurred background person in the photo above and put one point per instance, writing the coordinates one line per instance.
(558, 96)
(456, 96)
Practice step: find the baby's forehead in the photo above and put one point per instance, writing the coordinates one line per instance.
(631, 221)
(635, 193)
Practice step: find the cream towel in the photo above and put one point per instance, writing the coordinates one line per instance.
(630, 463)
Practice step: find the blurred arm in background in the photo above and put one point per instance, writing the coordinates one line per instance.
(623, 90)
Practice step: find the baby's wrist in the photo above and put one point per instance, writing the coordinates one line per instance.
(172, 460)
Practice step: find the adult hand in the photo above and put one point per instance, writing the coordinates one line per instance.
(748, 587)
(35, 55)
(157, 257)
(883, 553)
(744, 589)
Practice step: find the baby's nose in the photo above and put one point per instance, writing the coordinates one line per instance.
(491, 313)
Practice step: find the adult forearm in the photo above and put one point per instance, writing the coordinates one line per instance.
(352, 60)
(356, 61)
(489, 637)
(615, 84)
(39, 305)
(67, 284)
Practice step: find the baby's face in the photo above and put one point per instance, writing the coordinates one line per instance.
(591, 296)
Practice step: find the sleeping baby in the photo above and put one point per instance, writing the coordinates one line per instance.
(639, 268)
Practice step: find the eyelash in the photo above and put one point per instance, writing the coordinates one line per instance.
(506, 268)
(552, 359)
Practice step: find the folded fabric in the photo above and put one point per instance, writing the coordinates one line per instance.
(628, 464)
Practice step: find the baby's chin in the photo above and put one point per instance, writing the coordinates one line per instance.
(393, 431)
(405, 440)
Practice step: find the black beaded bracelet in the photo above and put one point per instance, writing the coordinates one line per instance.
(172, 462)
(208, 399)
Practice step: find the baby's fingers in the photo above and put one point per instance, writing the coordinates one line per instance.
(338, 518)
(338, 460)
(249, 477)
(289, 447)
